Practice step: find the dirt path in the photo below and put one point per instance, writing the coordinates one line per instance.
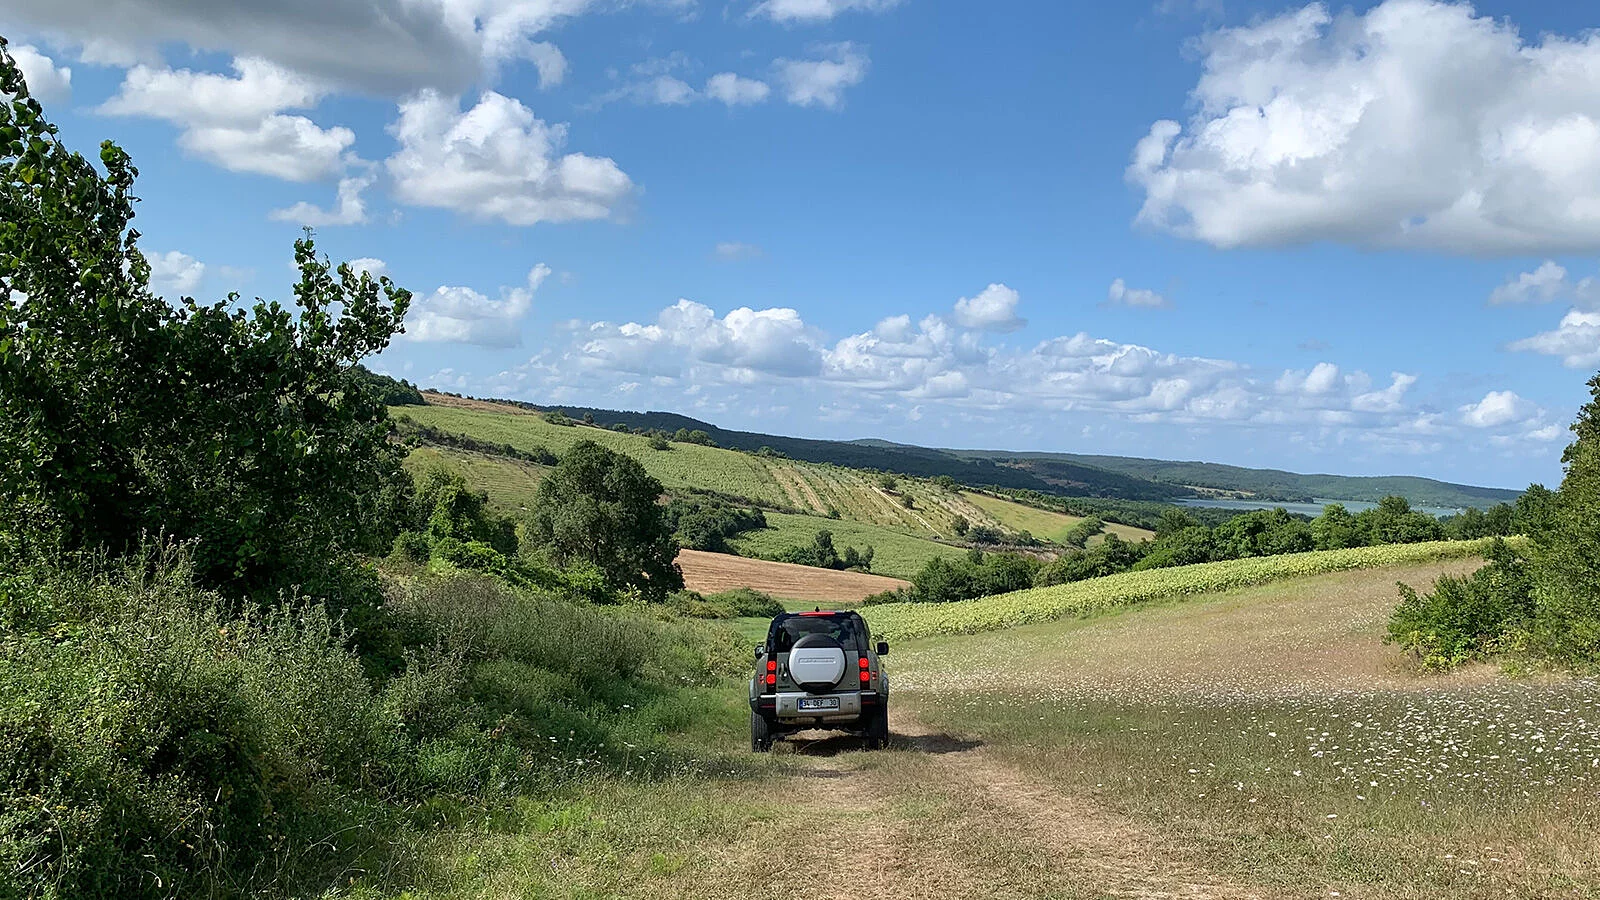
(940, 816)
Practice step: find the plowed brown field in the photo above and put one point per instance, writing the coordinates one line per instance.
(709, 573)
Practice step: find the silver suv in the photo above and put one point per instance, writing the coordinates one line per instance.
(819, 670)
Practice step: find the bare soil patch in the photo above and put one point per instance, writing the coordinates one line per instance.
(709, 573)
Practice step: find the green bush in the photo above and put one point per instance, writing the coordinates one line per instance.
(731, 604)
(152, 745)
(1466, 618)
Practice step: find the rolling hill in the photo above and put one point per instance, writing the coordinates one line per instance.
(1268, 484)
(1062, 474)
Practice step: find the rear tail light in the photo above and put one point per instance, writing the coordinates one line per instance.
(772, 674)
(866, 673)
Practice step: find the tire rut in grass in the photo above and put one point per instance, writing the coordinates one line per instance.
(947, 818)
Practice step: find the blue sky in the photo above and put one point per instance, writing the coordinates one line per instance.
(1347, 239)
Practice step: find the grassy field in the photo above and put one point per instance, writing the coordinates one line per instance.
(1258, 743)
(511, 484)
(1098, 595)
(895, 554)
(1043, 523)
(1272, 736)
(778, 483)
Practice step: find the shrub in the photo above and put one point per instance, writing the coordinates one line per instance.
(152, 745)
(708, 524)
(731, 604)
(660, 443)
(1466, 618)
(978, 575)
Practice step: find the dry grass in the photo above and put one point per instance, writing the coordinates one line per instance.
(1256, 744)
(710, 573)
(1044, 523)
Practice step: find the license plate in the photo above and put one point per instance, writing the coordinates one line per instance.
(819, 702)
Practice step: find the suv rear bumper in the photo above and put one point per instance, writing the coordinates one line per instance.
(784, 707)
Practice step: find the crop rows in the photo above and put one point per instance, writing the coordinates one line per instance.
(903, 621)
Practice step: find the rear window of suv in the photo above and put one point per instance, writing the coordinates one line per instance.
(848, 630)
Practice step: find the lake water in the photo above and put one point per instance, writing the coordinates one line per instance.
(1306, 509)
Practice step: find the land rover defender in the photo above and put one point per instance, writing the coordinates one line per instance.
(819, 669)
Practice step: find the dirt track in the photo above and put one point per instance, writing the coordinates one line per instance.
(940, 816)
(712, 572)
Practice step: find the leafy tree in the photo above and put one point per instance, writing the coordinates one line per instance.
(908, 501)
(888, 482)
(959, 525)
(1174, 520)
(1080, 532)
(1567, 562)
(1183, 547)
(1534, 513)
(1263, 532)
(985, 534)
(599, 507)
(390, 391)
(1393, 521)
(1112, 555)
(1335, 529)
(249, 432)
(707, 524)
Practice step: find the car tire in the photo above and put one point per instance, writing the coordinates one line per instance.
(760, 733)
(878, 729)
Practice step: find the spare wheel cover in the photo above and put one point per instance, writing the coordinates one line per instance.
(816, 662)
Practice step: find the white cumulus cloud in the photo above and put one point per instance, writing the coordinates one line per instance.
(462, 315)
(237, 122)
(1495, 409)
(349, 209)
(380, 47)
(1576, 340)
(993, 309)
(822, 81)
(497, 161)
(1417, 123)
(175, 272)
(735, 90)
(47, 82)
(812, 11)
(1121, 295)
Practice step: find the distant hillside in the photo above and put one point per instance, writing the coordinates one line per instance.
(1064, 478)
(1061, 474)
(1271, 484)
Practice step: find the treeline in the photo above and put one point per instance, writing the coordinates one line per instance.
(1181, 539)
(1532, 605)
(822, 554)
(241, 651)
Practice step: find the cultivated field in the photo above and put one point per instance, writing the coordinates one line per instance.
(1260, 743)
(1099, 595)
(710, 573)
(820, 490)
(895, 553)
(1044, 523)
